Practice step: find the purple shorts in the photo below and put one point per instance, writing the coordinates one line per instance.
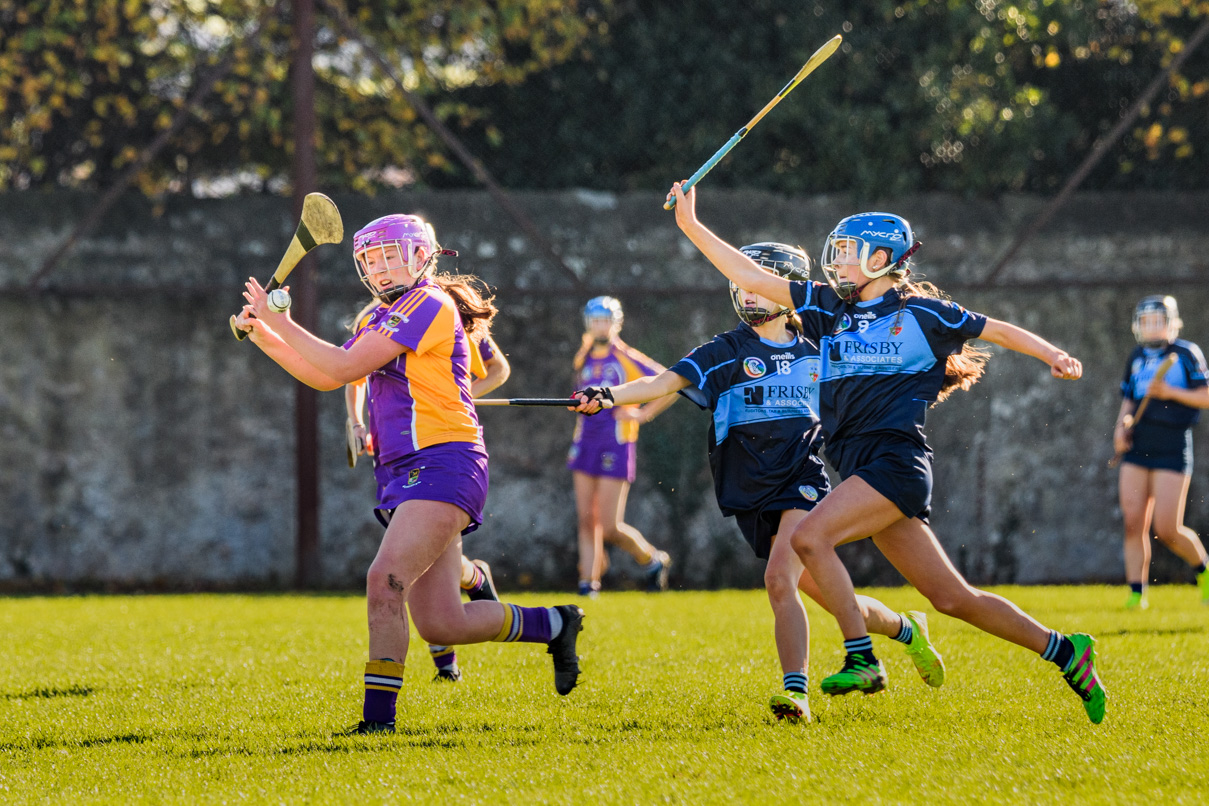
(452, 472)
(602, 455)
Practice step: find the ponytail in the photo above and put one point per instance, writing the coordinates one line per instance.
(476, 309)
(964, 368)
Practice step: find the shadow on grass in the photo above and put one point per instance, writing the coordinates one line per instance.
(56, 743)
(1152, 631)
(46, 693)
(442, 737)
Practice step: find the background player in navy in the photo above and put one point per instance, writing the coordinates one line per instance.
(760, 380)
(889, 350)
(1157, 465)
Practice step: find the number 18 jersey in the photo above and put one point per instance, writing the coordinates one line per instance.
(763, 396)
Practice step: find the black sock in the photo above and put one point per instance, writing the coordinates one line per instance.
(1200, 569)
(1135, 587)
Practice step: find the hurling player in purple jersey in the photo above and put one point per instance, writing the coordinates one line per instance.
(603, 452)
(1156, 466)
(889, 349)
(490, 369)
(760, 381)
(431, 465)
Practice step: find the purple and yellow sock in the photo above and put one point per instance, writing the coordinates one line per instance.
(536, 625)
(477, 578)
(383, 679)
(445, 657)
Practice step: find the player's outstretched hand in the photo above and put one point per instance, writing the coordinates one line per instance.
(593, 400)
(1066, 367)
(258, 302)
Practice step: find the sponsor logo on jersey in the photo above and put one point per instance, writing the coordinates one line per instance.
(754, 367)
(843, 324)
(808, 492)
(864, 316)
(776, 395)
(782, 357)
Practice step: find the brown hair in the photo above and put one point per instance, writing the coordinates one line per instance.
(476, 309)
(963, 368)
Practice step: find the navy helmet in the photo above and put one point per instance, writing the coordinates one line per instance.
(783, 260)
(1156, 321)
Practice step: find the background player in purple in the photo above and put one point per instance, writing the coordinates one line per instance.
(603, 454)
(890, 348)
(1157, 464)
(432, 467)
(760, 381)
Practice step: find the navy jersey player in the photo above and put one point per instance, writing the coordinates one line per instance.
(760, 381)
(889, 349)
(1157, 463)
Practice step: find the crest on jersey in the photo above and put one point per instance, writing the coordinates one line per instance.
(894, 331)
(413, 477)
(814, 377)
(607, 460)
(754, 367)
(808, 492)
(843, 324)
(393, 320)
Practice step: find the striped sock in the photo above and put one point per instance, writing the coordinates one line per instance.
(1059, 650)
(445, 657)
(795, 681)
(477, 578)
(537, 625)
(383, 679)
(860, 647)
(906, 632)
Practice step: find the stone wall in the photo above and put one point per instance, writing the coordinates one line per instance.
(142, 446)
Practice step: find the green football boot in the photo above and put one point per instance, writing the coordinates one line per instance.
(1082, 678)
(790, 705)
(928, 662)
(857, 675)
(1136, 601)
(1202, 582)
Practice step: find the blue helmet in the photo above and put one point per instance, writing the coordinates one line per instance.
(857, 238)
(1156, 321)
(603, 308)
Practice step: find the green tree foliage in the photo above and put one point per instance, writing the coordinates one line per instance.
(85, 85)
(978, 96)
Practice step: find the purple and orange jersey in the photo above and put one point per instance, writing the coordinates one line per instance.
(619, 364)
(421, 398)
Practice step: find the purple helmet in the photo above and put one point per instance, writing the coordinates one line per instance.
(392, 242)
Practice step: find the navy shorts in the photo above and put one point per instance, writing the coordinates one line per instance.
(1161, 447)
(898, 468)
(759, 526)
(452, 472)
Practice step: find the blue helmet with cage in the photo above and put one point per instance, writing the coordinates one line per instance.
(603, 308)
(1156, 321)
(783, 260)
(854, 242)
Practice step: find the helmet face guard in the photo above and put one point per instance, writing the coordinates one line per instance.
(856, 239)
(395, 242)
(1156, 321)
(603, 308)
(783, 260)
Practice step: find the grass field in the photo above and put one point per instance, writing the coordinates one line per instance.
(238, 699)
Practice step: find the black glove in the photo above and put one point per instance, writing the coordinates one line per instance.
(599, 393)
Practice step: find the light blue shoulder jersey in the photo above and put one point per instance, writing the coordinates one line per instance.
(1189, 372)
(883, 361)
